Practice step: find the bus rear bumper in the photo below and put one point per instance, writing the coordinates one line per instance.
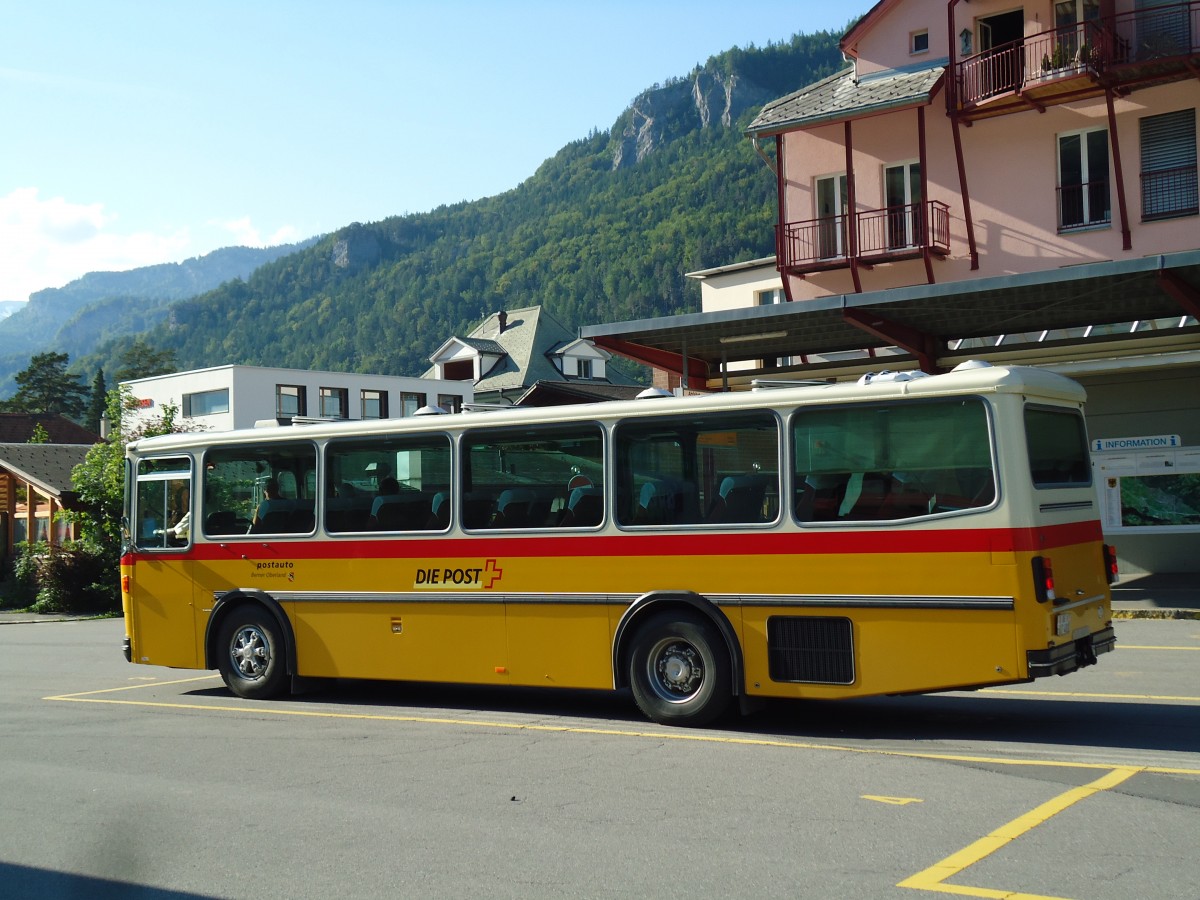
(127, 647)
(1069, 657)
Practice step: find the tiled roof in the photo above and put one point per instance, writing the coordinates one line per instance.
(46, 465)
(546, 393)
(841, 97)
(482, 346)
(17, 428)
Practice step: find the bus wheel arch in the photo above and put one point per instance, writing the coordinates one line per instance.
(679, 654)
(249, 639)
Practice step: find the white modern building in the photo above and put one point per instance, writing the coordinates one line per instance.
(222, 398)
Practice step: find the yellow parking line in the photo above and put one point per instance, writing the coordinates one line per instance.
(267, 709)
(934, 878)
(132, 687)
(1150, 647)
(1091, 696)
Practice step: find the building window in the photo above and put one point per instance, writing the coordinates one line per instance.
(374, 404)
(583, 368)
(290, 400)
(832, 199)
(1169, 165)
(410, 403)
(335, 403)
(768, 298)
(1083, 198)
(206, 403)
(918, 42)
(451, 403)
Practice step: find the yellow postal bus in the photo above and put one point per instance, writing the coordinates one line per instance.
(903, 534)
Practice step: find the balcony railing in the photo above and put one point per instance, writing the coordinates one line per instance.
(1122, 47)
(894, 232)
(1169, 193)
(1084, 205)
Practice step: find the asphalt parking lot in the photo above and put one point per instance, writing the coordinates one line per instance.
(122, 781)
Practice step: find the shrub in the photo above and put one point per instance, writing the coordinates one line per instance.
(74, 577)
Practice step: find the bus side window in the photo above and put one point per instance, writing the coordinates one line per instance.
(163, 504)
(542, 476)
(891, 461)
(388, 483)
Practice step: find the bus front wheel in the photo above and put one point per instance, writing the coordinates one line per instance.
(679, 670)
(251, 654)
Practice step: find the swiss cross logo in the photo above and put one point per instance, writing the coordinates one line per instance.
(492, 573)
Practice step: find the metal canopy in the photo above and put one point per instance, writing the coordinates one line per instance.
(921, 319)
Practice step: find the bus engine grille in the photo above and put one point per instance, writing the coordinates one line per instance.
(816, 649)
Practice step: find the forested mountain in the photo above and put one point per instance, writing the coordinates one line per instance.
(78, 317)
(602, 231)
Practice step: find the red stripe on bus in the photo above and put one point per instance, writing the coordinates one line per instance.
(858, 542)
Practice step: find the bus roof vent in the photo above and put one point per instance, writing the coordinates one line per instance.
(774, 384)
(431, 411)
(889, 376)
(972, 364)
(653, 393)
(487, 407)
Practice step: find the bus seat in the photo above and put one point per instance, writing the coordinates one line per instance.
(477, 509)
(439, 511)
(221, 522)
(585, 507)
(666, 502)
(272, 517)
(740, 499)
(870, 492)
(408, 511)
(301, 517)
(347, 513)
(514, 508)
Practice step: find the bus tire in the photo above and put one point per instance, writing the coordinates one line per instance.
(251, 655)
(679, 670)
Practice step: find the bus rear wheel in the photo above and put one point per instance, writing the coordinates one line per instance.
(251, 654)
(679, 670)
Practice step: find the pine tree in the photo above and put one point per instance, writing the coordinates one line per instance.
(97, 403)
(45, 386)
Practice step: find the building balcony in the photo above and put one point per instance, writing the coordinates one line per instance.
(891, 234)
(1074, 62)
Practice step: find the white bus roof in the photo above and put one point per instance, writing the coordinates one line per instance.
(968, 379)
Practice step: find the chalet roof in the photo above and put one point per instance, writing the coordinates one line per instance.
(841, 96)
(47, 466)
(17, 428)
(523, 344)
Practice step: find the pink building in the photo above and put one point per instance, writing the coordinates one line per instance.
(970, 140)
(987, 181)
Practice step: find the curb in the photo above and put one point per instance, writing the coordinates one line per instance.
(1192, 614)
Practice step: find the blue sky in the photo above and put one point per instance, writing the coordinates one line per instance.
(147, 132)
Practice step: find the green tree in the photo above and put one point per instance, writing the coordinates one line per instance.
(46, 387)
(140, 360)
(39, 436)
(97, 403)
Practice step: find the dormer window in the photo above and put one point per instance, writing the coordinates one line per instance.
(585, 367)
(918, 42)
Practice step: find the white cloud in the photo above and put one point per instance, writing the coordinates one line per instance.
(245, 234)
(49, 242)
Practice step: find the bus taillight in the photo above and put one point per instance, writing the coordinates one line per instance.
(1043, 579)
(1110, 564)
